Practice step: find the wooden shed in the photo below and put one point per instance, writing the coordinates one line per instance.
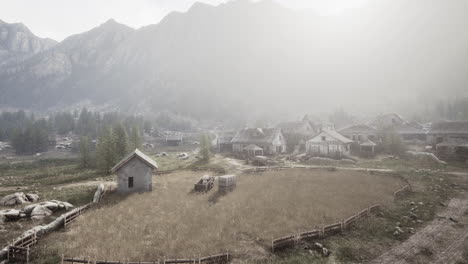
(135, 173)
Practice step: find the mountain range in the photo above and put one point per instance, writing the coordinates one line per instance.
(247, 59)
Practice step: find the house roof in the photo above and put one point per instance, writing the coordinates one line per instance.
(459, 143)
(135, 154)
(225, 137)
(361, 128)
(337, 136)
(256, 135)
(253, 147)
(449, 127)
(408, 129)
(296, 127)
(368, 143)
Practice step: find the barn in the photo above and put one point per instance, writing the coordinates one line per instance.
(135, 173)
(329, 143)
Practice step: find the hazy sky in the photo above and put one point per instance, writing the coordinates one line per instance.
(59, 19)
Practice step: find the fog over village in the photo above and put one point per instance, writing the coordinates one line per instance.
(234, 131)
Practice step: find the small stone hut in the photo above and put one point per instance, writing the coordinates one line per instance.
(135, 173)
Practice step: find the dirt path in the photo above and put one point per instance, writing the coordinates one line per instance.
(442, 241)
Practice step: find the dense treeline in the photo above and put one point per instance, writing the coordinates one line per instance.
(29, 135)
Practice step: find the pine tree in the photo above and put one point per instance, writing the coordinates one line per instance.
(135, 140)
(205, 146)
(121, 146)
(105, 152)
(85, 152)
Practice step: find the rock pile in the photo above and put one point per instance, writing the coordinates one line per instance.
(34, 211)
(19, 198)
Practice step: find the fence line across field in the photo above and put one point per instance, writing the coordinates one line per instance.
(212, 259)
(328, 230)
(19, 249)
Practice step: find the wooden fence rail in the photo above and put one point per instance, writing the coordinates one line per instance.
(406, 189)
(18, 250)
(213, 259)
(328, 230)
(75, 213)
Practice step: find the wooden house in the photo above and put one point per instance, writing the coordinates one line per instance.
(270, 140)
(387, 120)
(174, 139)
(297, 133)
(329, 143)
(450, 139)
(135, 173)
(359, 133)
(223, 141)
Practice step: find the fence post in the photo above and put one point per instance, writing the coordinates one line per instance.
(62, 258)
(27, 254)
(272, 245)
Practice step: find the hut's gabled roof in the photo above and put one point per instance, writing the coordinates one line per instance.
(135, 154)
(256, 136)
(449, 127)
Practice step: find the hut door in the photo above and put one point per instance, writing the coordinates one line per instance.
(130, 182)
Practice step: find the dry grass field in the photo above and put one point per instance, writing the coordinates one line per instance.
(172, 221)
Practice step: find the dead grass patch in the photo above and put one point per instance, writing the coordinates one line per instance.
(173, 222)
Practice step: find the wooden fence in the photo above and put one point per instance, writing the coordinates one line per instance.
(399, 193)
(278, 168)
(213, 259)
(18, 250)
(75, 213)
(325, 231)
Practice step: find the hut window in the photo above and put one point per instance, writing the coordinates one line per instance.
(130, 182)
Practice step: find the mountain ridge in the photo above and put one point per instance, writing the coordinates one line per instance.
(259, 57)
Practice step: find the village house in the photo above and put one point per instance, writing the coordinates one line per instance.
(387, 120)
(250, 141)
(174, 139)
(359, 133)
(296, 134)
(364, 137)
(223, 141)
(135, 173)
(450, 139)
(329, 143)
(410, 132)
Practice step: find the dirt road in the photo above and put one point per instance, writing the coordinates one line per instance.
(442, 241)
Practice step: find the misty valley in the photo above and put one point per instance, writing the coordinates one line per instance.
(234, 131)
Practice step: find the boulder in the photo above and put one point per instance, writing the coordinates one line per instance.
(9, 215)
(28, 209)
(32, 197)
(14, 199)
(51, 205)
(40, 212)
